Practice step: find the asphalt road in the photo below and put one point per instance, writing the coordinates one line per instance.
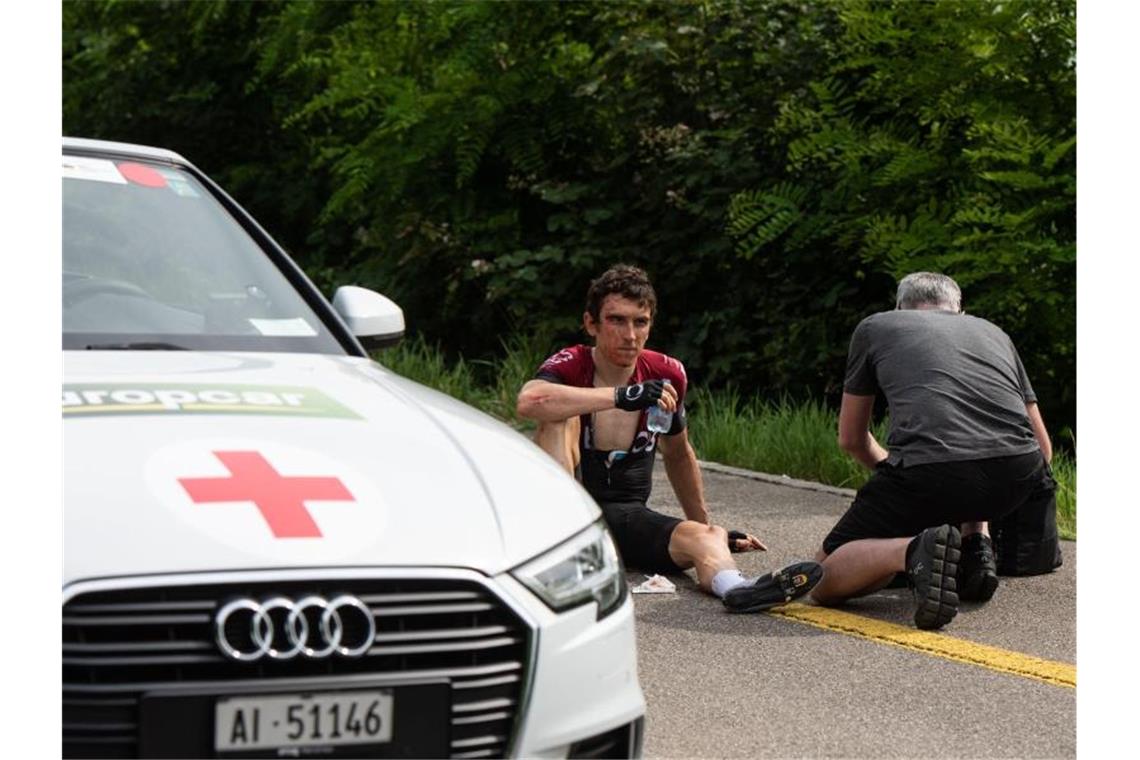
(721, 685)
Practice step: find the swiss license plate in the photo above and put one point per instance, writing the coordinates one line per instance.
(302, 720)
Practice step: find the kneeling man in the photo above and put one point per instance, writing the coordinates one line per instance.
(967, 445)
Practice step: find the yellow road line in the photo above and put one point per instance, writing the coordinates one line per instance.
(939, 645)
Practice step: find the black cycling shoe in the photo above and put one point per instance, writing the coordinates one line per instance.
(933, 570)
(977, 572)
(774, 588)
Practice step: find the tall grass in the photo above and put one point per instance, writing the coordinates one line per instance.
(489, 385)
(1065, 473)
(416, 360)
(783, 437)
(521, 357)
(793, 438)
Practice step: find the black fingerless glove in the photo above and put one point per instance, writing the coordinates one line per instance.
(733, 537)
(641, 396)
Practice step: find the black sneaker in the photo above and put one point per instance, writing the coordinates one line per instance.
(774, 588)
(933, 570)
(977, 572)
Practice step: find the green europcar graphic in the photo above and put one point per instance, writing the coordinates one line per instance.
(94, 400)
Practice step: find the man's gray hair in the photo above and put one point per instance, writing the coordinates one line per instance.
(928, 290)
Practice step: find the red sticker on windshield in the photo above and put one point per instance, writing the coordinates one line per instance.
(142, 175)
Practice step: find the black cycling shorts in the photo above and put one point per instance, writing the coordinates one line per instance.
(642, 535)
(903, 501)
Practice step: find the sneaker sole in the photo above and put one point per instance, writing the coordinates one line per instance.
(782, 586)
(940, 605)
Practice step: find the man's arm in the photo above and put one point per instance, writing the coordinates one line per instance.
(684, 475)
(1039, 431)
(854, 430)
(545, 401)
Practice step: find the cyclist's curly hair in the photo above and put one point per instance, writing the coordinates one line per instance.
(624, 280)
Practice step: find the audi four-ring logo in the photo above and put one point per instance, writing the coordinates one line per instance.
(280, 628)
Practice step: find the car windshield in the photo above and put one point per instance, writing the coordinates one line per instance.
(151, 259)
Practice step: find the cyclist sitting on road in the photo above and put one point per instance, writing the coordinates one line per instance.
(967, 445)
(591, 404)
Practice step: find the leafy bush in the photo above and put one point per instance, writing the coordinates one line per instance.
(774, 165)
(941, 137)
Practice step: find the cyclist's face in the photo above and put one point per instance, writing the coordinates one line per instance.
(621, 330)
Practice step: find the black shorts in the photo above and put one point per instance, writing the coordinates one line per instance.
(903, 501)
(642, 535)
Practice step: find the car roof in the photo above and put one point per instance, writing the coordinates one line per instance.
(122, 149)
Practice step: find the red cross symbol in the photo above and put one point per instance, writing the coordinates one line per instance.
(281, 500)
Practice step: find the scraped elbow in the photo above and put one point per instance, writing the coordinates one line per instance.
(527, 404)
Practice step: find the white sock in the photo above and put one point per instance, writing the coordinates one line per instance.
(726, 580)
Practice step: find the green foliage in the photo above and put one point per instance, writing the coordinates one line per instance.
(775, 165)
(941, 137)
(757, 219)
(490, 162)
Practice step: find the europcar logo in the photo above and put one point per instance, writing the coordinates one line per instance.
(88, 400)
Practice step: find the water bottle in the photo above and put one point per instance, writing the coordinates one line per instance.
(657, 419)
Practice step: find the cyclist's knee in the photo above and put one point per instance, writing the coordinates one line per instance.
(706, 535)
(559, 440)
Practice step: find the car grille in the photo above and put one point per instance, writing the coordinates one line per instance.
(121, 644)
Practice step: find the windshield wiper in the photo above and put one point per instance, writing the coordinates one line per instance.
(139, 346)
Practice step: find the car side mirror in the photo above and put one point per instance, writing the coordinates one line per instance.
(374, 319)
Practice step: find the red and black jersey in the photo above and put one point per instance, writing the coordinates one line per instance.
(612, 476)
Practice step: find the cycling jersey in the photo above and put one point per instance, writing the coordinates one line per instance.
(618, 475)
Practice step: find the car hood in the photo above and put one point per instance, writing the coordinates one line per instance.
(183, 462)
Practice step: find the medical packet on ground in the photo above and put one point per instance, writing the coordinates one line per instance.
(655, 584)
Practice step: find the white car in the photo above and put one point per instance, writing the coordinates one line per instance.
(274, 546)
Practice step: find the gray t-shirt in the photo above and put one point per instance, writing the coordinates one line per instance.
(954, 383)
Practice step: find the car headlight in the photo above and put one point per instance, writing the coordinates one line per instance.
(585, 568)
